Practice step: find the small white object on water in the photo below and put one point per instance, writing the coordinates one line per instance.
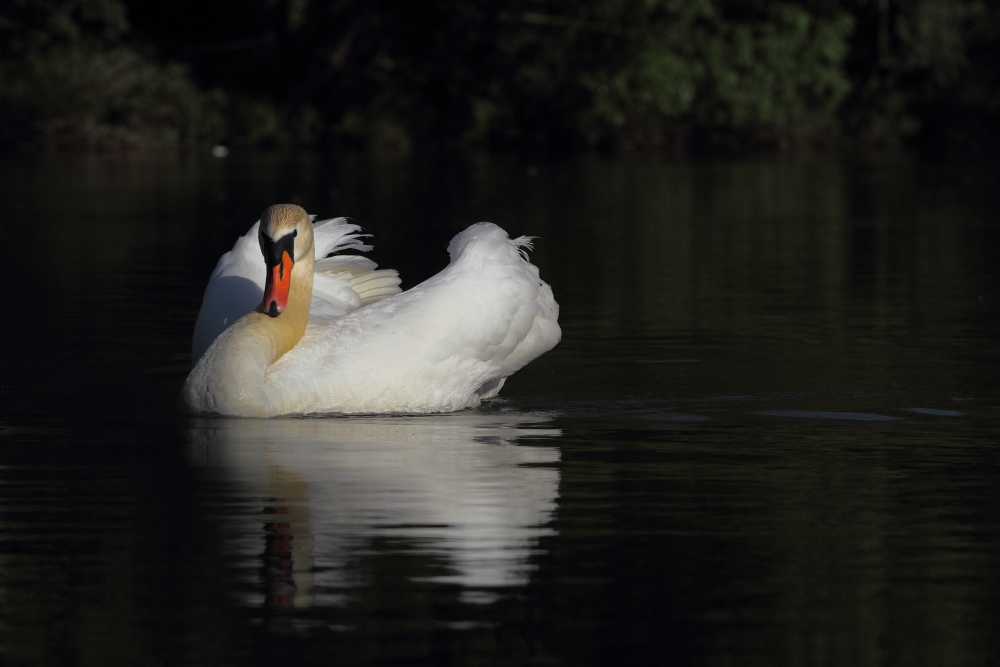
(220, 151)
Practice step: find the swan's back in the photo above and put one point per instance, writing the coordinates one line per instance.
(442, 345)
(511, 316)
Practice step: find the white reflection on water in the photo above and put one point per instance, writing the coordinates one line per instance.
(453, 486)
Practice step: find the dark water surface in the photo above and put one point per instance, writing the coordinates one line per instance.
(769, 436)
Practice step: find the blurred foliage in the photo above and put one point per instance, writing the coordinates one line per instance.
(667, 74)
(67, 80)
(773, 74)
(925, 72)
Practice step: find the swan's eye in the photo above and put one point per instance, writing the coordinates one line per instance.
(273, 250)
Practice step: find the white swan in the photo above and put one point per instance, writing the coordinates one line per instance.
(332, 334)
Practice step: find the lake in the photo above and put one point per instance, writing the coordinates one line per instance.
(769, 436)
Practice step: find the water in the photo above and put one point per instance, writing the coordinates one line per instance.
(769, 436)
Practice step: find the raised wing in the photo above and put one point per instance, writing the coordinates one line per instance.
(342, 282)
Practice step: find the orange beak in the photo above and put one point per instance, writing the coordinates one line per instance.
(279, 280)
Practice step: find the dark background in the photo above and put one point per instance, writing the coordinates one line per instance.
(683, 76)
(776, 389)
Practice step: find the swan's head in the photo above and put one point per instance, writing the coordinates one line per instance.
(285, 236)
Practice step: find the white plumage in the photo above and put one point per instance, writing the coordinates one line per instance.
(443, 345)
(237, 283)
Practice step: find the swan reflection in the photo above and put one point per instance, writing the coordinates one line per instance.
(453, 486)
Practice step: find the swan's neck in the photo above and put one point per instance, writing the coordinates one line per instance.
(231, 378)
(285, 331)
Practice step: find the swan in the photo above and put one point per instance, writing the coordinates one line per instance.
(334, 334)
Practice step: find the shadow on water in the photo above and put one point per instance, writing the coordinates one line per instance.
(769, 435)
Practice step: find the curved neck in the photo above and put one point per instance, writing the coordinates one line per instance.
(231, 376)
(286, 330)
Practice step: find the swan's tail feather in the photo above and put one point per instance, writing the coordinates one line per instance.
(524, 244)
(488, 240)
